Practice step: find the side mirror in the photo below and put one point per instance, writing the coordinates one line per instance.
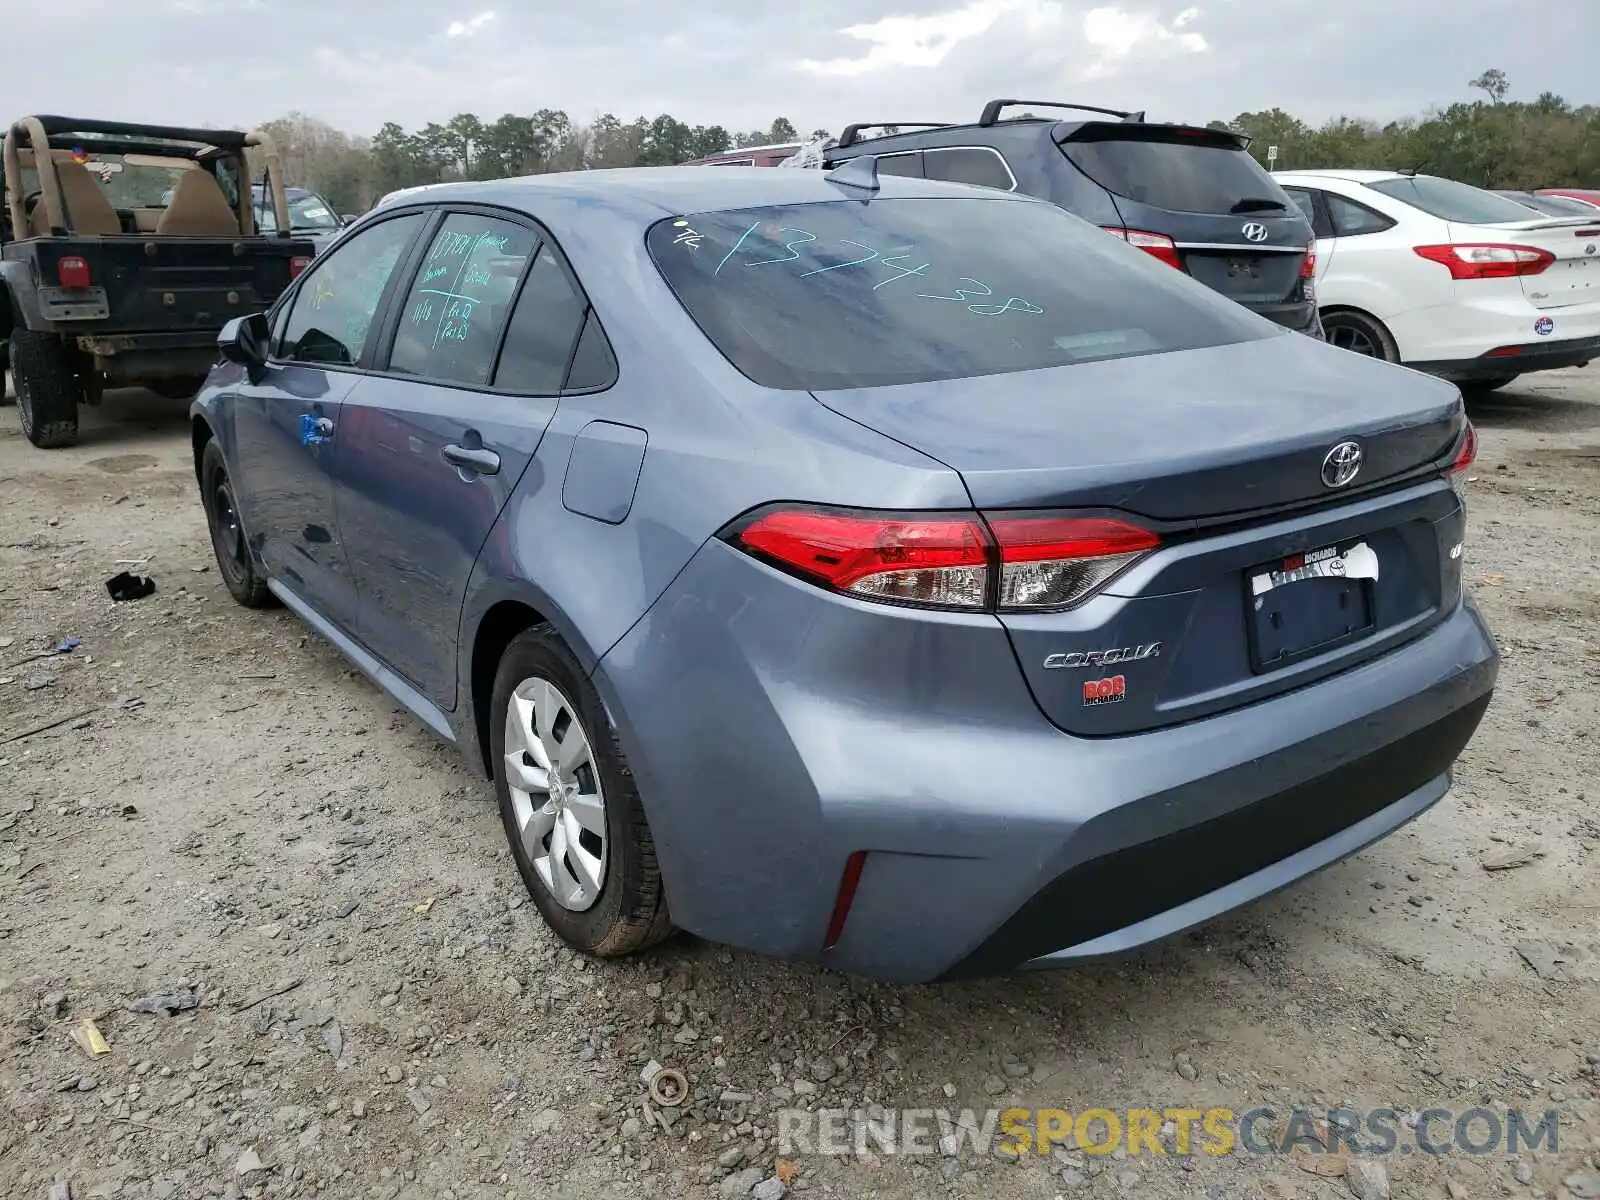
(243, 340)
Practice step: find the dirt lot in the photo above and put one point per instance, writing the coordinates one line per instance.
(226, 813)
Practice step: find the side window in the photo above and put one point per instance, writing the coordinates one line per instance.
(1306, 201)
(979, 166)
(594, 364)
(1351, 219)
(901, 164)
(544, 324)
(333, 307)
(453, 313)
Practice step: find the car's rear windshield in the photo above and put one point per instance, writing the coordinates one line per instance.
(844, 294)
(1179, 173)
(1452, 201)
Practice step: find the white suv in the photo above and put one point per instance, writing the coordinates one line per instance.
(1449, 278)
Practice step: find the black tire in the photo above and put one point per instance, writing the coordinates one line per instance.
(1473, 388)
(1360, 334)
(178, 387)
(630, 912)
(234, 562)
(5, 366)
(48, 389)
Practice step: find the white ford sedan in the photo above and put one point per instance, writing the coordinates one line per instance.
(1449, 278)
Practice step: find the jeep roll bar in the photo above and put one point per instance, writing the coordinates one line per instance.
(851, 133)
(991, 110)
(39, 131)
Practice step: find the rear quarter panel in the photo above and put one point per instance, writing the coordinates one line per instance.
(716, 445)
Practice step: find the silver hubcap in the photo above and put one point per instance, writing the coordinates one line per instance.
(555, 793)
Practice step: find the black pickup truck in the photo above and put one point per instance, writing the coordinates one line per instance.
(126, 249)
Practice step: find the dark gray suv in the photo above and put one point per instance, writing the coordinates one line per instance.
(1192, 197)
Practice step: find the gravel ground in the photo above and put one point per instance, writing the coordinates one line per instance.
(354, 997)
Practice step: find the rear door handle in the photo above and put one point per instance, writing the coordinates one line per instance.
(477, 459)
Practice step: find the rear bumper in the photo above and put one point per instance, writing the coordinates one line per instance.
(1301, 316)
(1455, 339)
(1515, 359)
(135, 357)
(774, 733)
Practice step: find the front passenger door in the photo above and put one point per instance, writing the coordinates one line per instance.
(286, 422)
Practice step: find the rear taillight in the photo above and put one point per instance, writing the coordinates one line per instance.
(1011, 562)
(1157, 245)
(297, 264)
(1467, 452)
(1053, 562)
(1485, 260)
(72, 272)
(1308, 268)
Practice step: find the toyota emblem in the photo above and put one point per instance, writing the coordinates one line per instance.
(1342, 464)
(1255, 231)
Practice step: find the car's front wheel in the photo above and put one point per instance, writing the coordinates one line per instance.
(238, 569)
(569, 805)
(1360, 334)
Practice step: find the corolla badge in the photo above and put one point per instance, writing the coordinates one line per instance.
(1099, 658)
(1341, 464)
(1254, 231)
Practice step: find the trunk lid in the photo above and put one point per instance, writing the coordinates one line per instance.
(1220, 451)
(1186, 436)
(1574, 276)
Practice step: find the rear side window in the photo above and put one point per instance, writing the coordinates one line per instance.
(1351, 219)
(968, 165)
(907, 165)
(842, 294)
(1452, 201)
(452, 316)
(1180, 176)
(544, 326)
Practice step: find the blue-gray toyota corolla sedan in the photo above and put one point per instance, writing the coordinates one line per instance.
(899, 575)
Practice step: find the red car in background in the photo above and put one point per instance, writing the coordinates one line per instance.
(1589, 196)
(748, 156)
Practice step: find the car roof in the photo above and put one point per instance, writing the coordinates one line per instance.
(1365, 176)
(646, 193)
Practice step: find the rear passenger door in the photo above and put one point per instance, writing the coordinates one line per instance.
(434, 442)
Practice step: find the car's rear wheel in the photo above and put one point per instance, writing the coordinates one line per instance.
(238, 569)
(1360, 334)
(569, 805)
(48, 389)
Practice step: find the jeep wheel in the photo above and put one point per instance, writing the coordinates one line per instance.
(48, 389)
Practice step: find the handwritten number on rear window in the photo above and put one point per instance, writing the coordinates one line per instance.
(979, 302)
(982, 308)
(805, 236)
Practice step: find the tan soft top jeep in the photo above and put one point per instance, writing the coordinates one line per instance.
(126, 249)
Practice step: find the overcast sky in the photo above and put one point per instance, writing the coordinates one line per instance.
(739, 63)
